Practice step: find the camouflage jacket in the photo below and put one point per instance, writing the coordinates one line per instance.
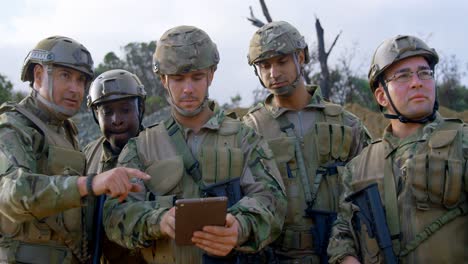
(328, 137)
(430, 175)
(100, 158)
(37, 189)
(135, 222)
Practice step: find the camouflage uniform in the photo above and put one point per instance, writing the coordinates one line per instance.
(311, 126)
(100, 158)
(224, 148)
(429, 170)
(41, 215)
(422, 179)
(135, 223)
(328, 137)
(110, 86)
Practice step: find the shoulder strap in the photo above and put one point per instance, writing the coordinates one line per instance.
(192, 166)
(94, 151)
(429, 230)
(391, 204)
(72, 129)
(255, 108)
(47, 132)
(333, 113)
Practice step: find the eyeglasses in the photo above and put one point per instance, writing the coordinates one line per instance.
(403, 77)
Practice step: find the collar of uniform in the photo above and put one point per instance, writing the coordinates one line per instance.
(107, 154)
(316, 101)
(421, 135)
(214, 123)
(31, 104)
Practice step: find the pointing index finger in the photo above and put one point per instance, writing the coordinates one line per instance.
(134, 173)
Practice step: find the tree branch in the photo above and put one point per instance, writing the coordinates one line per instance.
(255, 21)
(333, 44)
(266, 13)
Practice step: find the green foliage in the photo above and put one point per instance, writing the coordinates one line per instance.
(154, 103)
(235, 102)
(7, 93)
(5, 89)
(453, 97)
(451, 93)
(138, 59)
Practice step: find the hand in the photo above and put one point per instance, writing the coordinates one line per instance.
(350, 260)
(115, 182)
(167, 223)
(218, 240)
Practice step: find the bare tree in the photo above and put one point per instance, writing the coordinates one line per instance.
(323, 58)
(321, 54)
(257, 22)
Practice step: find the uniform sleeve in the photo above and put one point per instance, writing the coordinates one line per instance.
(465, 142)
(25, 194)
(134, 222)
(361, 136)
(262, 210)
(249, 121)
(342, 242)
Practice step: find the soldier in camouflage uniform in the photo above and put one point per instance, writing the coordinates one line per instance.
(117, 99)
(310, 138)
(196, 147)
(43, 198)
(419, 165)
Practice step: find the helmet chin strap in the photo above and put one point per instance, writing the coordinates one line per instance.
(431, 117)
(56, 111)
(183, 112)
(286, 90)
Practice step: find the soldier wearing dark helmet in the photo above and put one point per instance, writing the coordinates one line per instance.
(311, 139)
(420, 166)
(45, 200)
(117, 101)
(197, 147)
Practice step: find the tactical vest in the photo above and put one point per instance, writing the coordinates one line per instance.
(55, 239)
(94, 155)
(325, 148)
(431, 201)
(110, 251)
(220, 158)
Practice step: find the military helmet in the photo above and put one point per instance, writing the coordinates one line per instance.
(276, 38)
(114, 85)
(396, 49)
(58, 50)
(184, 49)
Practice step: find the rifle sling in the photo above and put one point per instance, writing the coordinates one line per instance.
(434, 227)
(391, 204)
(288, 128)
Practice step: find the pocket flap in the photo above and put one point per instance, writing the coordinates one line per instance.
(442, 138)
(63, 161)
(282, 148)
(165, 175)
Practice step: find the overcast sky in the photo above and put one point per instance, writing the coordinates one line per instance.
(106, 25)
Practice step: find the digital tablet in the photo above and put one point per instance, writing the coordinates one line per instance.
(193, 214)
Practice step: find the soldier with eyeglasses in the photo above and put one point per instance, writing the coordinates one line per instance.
(420, 166)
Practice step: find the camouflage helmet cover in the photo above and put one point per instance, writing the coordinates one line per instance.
(276, 38)
(184, 49)
(114, 85)
(58, 50)
(396, 49)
